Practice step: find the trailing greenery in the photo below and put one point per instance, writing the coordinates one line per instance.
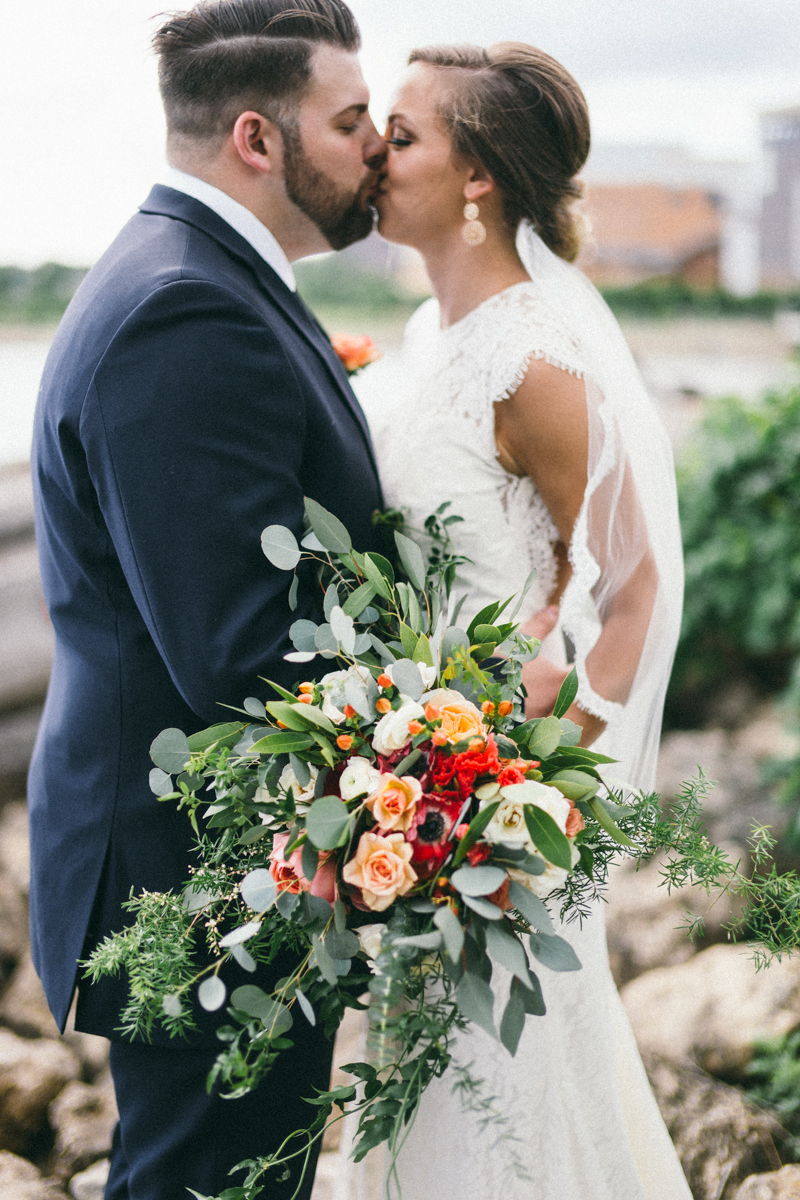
(336, 282)
(739, 489)
(773, 1082)
(40, 295)
(675, 298)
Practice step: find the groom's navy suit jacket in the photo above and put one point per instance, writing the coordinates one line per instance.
(189, 400)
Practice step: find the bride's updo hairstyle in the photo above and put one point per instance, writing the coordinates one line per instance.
(521, 115)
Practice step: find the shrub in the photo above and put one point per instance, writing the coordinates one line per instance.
(739, 492)
(675, 298)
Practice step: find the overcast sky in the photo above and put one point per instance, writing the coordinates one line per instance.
(81, 132)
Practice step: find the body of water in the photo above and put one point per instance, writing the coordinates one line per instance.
(21, 365)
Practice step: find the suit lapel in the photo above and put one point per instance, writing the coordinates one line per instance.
(166, 201)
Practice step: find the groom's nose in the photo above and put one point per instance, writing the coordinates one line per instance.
(374, 147)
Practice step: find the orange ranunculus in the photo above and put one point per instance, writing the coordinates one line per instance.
(355, 352)
(460, 718)
(394, 803)
(381, 868)
(575, 822)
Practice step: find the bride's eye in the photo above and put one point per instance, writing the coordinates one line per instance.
(399, 141)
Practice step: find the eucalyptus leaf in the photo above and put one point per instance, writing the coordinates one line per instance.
(329, 529)
(407, 678)
(280, 547)
(451, 638)
(531, 908)
(195, 898)
(341, 945)
(303, 634)
(506, 950)
(255, 708)
(571, 733)
(575, 785)
(449, 925)
(343, 629)
(554, 952)
(513, 1022)
(326, 965)
(171, 1005)
(244, 958)
(358, 600)
(327, 822)
(331, 600)
(325, 641)
(484, 908)
(475, 999)
(170, 751)
(238, 936)
(300, 769)
(478, 881)
(286, 904)
(376, 577)
(258, 890)
(526, 587)
(294, 588)
(160, 782)
(532, 997)
(312, 542)
(423, 941)
(412, 560)
(212, 993)
(309, 861)
(305, 1007)
(226, 734)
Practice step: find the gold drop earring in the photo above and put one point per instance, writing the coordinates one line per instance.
(474, 232)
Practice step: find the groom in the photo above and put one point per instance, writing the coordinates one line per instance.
(190, 399)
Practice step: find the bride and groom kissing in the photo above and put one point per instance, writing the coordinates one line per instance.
(191, 399)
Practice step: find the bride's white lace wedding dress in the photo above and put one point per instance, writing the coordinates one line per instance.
(577, 1118)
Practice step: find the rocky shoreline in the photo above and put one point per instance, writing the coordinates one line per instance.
(698, 1009)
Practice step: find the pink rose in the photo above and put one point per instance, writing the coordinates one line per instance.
(382, 869)
(289, 876)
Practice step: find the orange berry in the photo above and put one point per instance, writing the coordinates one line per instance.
(487, 707)
(385, 681)
(414, 727)
(282, 726)
(505, 707)
(442, 881)
(308, 688)
(349, 711)
(383, 705)
(439, 738)
(344, 741)
(533, 764)
(303, 698)
(477, 744)
(432, 713)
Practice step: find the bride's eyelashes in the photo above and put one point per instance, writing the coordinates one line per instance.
(398, 141)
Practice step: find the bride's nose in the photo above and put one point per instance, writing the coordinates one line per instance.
(374, 148)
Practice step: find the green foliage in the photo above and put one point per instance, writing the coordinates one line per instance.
(674, 298)
(773, 1082)
(39, 295)
(740, 511)
(334, 282)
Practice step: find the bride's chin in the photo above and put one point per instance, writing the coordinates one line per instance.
(390, 231)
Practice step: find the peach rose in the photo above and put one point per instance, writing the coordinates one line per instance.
(381, 868)
(460, 718)
(288, 873)
(394, 803)
(355, 352)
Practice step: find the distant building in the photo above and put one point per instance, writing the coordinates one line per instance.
(658, 210)
(780, 216)
(642, 230)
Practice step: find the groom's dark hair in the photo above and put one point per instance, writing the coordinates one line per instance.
(223, 57)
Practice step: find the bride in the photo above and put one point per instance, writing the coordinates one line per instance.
(519, 402)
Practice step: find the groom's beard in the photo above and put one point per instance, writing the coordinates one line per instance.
(343, 218)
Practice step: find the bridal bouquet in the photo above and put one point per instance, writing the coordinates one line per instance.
(394, 822)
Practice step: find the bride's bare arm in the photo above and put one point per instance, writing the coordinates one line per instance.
(543, 431)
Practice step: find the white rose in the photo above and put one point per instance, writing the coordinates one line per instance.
(427, 674)
(391, 732)
(508, 826)
(331, 711)
(371, 937)
(359, 778)
(303, 796)
(544, 797)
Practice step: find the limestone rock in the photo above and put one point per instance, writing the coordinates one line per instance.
(20, 1180)
(83, 1117)
(775, 1185)
(720, 1138)
(90, 1049)
(24, 1007)
(31, 1076)
(90, 1184)
(644, 922)
(13, 925)
(713, 1008)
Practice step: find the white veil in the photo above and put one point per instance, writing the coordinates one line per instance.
(629, 513)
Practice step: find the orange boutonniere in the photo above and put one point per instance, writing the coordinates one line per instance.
(355, 353)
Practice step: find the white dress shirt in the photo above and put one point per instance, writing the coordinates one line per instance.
(238, 217)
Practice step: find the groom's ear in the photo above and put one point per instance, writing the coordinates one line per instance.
(258, 142)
